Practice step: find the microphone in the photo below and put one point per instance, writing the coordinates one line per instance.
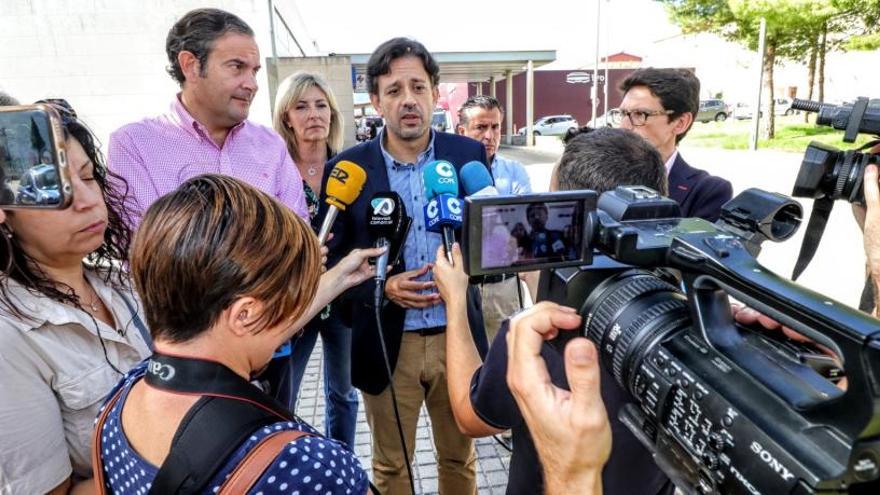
(443, 211)
(476, 180)
(388, 226)
(343, 187)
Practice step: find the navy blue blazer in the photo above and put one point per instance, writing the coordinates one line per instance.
(350, 232)
(699, 194)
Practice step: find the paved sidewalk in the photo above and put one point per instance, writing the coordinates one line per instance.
(492, 460)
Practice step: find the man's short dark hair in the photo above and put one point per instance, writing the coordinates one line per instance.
(677, 89)
(380, 61)
(196, 32)
(605, 158)
(477, 101)
(535, 206)
(7, 100)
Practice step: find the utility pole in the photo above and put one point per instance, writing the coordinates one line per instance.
(607, 81)
(756, 104)
(594, 91)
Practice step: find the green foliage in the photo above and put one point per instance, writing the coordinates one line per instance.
(791, 135)
(793, 26)
(866, 42)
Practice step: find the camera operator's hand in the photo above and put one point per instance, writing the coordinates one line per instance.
(570, 429)
(402, 289)
(745, 315)
(868, 218)
(451, 280)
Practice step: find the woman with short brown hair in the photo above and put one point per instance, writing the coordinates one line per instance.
(226, 274)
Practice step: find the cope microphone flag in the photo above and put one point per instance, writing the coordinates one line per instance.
(343, 187)
(443, 211)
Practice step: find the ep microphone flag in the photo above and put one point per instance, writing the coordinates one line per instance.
(476, 180)
(343, 187)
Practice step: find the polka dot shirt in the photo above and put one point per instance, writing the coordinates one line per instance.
(309, 466)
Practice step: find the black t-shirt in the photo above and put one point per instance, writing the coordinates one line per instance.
(630, 469)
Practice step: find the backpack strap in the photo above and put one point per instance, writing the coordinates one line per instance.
(97, 463)
(252, 467)
(212, 430)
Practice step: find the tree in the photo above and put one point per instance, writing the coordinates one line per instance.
(738, 21)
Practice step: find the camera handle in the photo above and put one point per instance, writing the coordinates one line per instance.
(815, 228)
(709, 276)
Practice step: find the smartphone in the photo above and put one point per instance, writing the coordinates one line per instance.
(33, 158)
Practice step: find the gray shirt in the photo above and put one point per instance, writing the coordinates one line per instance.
(54, 380)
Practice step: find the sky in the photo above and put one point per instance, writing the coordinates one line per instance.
(569, 27)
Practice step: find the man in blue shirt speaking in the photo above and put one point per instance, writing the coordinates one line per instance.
(402, 79)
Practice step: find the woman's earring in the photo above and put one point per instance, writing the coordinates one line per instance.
(7, 232)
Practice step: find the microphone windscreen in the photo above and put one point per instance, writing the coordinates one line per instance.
(439, 178)
(475, 177)
(385, 215)
(345, 183)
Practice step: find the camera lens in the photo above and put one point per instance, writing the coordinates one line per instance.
(832, 173)
(627, 314)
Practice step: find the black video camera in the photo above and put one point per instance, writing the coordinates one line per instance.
(723, 408)
(827, 172)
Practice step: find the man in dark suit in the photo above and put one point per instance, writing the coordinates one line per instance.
(660, 105)
(402, 77)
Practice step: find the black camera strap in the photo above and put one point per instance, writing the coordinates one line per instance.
(229, 411)
(815, 228)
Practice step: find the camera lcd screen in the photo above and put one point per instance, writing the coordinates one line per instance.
(521, 233)
(528, 234)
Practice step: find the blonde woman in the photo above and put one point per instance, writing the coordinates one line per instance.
(308, 118)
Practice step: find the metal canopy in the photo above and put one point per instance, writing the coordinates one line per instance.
(457, 67)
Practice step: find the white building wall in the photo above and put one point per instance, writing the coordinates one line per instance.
(107, 57)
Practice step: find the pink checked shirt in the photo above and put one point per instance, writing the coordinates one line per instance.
(157, 154)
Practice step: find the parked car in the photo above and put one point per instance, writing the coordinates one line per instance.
(39, 186)
(601, 121)
(715, 110)
(368, 126)
(782, 107)
(441, 121)
(743, 111)
(553, 125)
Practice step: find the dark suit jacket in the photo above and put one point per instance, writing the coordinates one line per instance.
(699, 194)
(349, 232)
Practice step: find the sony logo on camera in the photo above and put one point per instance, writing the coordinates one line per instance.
(771, 461)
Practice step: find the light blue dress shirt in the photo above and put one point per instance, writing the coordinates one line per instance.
(421, 246)
(510, 176)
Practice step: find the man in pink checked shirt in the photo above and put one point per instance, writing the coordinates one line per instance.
(212, 54)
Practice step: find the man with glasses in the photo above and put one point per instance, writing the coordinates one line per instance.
(660, 105)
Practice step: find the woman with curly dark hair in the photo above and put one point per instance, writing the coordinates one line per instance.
(69, 324)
